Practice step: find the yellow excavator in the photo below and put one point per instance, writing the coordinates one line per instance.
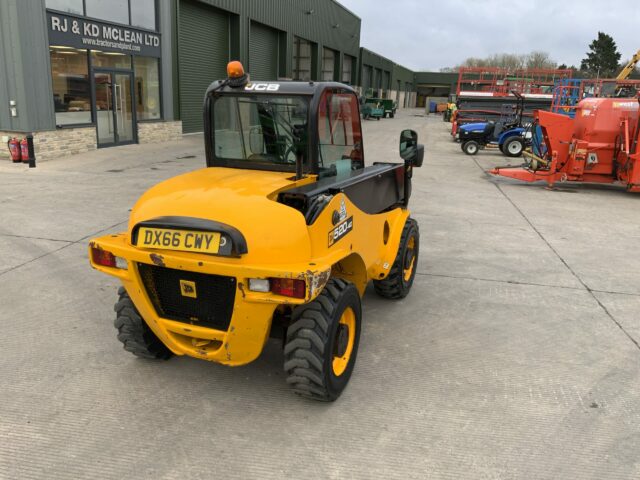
(629, 67)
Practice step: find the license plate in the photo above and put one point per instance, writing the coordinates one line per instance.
(182, 240)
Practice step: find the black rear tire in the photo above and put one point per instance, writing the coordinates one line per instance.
(513, 146)
(403, 271)
(470, 147)
(134, 333)
(317, 329)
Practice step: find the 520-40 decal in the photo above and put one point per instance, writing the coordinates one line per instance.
(340, 230)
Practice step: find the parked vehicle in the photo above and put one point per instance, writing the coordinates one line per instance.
(509, 135)
(477, 136)
(388, 106)
(371, 110)
(278, 236)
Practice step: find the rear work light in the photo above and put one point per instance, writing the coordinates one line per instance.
(288, 287)
(107, 259)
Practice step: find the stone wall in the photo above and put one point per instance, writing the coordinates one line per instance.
(63, 142)
(156, 132)
(57, 143)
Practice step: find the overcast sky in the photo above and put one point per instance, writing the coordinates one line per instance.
(430, 34)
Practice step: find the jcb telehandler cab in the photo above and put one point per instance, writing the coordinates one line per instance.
(279, 236)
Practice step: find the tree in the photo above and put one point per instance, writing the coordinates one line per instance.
(511, 61)
(603, 57)
(537, 59)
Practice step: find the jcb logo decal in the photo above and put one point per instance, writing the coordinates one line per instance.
(188, 289)
(340, 231)
(263, 87)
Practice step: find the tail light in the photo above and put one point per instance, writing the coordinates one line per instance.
(107, 259)
(288, 287)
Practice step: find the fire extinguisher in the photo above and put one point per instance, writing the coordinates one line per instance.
(14, 149)
(24, 150)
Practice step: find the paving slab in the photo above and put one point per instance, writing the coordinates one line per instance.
(18, 250)
(593, 227)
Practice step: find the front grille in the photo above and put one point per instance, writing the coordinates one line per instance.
(214, 296)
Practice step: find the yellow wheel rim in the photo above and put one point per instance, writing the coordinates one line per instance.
(348, 319)
(408, 270)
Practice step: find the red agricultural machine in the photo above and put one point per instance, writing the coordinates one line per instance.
(598, 145)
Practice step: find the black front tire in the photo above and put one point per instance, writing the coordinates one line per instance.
(312, 338)
(470, 147)
(403, 271)
(134, 333)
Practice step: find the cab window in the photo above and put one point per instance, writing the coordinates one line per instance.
(339, 135)
(263, 129)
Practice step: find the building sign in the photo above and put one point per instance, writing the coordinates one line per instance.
(91, 34)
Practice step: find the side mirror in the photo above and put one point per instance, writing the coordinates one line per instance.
(410, 150)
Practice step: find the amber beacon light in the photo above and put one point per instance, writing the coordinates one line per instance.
(236, 76)
(235, 69)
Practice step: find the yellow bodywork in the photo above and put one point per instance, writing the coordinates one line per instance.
(280, 244)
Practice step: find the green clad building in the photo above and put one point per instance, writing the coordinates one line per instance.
(86, 74)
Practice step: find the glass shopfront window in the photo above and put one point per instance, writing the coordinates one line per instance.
(68, 6)
(71, 86)
(109, 10)
(143, 14)
(147, 88)
(110, 60)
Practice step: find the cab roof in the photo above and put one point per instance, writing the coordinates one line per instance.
(284, 87)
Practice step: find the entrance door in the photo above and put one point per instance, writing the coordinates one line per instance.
(115, 121)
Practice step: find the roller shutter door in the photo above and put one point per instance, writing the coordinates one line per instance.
(366, 77)
(263, 52)
(328, 65)
(378, 83)
(203, 53)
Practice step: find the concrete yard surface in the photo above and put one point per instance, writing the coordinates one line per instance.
(515, 356)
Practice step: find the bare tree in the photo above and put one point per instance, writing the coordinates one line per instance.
(538, 59)
(535, 59)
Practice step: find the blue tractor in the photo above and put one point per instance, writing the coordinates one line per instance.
(507, 134)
